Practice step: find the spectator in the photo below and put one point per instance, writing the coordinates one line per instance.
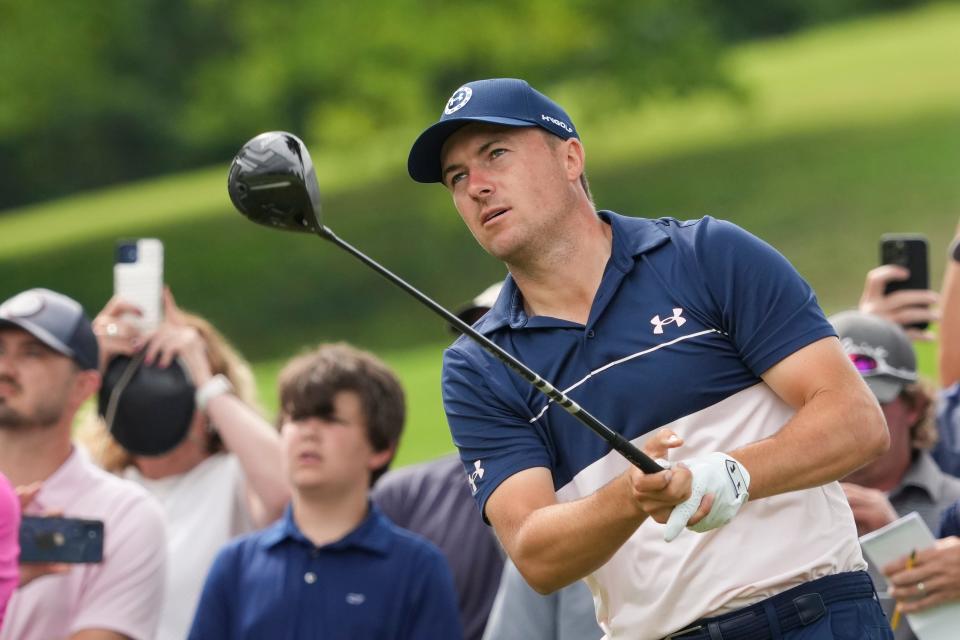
(334, 564)
(520, 613)
(935, 577)
(947, 452)
(48, 368)
(219, 479)
(9, 543)
(432, 499)
(905, 478)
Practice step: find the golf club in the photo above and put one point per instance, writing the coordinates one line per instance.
(272, 182)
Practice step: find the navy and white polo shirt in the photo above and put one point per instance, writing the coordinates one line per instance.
(687, 318)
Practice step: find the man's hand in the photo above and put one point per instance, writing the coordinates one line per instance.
(717, 476)
(30, 571)
(871, 508)
(658, 494)
(903, 307)
(934, 578)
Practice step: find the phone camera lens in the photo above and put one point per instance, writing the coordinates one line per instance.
(127, 253)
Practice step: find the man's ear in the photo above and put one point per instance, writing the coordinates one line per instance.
(85, 384)
(379, 459)
(574, 158)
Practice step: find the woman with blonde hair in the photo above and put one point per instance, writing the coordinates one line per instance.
(217, 477)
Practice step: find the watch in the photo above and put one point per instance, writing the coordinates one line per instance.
(954, 251)
(215, 386)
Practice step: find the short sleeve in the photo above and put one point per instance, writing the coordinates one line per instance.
(763, 304)
(124, 595)
(489, 422)
(433, 610)
(213, 616)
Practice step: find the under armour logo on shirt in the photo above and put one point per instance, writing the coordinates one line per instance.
(472, 478)
(356, 598)
(659, 324)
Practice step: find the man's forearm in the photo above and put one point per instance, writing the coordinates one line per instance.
(831, 435)
(561, 543)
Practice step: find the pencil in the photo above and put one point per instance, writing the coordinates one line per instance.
(895, 622)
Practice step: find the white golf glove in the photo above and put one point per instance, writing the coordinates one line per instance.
(715, 473)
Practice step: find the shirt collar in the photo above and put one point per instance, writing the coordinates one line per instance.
(631, 238)
(372, 534)
(923, 474)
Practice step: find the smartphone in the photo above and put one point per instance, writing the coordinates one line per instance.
(138, 279)
(58, 539)
(907, 250)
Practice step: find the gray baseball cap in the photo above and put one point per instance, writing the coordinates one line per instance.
(55, 320)
(880, 350)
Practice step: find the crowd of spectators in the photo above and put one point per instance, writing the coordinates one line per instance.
(206, 536)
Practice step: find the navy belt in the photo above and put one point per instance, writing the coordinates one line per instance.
(791, 609)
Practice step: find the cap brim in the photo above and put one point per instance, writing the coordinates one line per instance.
(40, 334)
(885, 389)
(423, 164)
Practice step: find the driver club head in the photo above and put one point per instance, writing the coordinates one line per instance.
(273, 183)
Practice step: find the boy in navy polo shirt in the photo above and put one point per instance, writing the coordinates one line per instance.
(334, 566)
(697, 326)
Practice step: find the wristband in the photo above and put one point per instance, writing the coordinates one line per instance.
(954, 251)
(715, 473)
(215, 386)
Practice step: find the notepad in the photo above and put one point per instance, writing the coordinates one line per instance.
(897, 540)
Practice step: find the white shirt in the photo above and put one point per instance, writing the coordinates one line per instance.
(649, 587)
(204, 508)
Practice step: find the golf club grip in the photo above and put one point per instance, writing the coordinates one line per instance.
(620, 444)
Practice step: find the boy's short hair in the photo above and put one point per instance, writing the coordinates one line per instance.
(309, 382)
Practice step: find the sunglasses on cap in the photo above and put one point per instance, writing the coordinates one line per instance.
(868, 365)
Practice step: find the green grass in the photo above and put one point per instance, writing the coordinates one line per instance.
(841, 134)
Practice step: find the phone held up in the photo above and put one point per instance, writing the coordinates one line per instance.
(138, 279)
(58, 539)
(908, 250)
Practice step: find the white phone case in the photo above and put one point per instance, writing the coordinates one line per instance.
(138, 279)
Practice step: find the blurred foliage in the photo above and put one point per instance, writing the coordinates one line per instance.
(100, 92)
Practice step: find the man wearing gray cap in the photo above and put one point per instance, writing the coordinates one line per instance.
(906, 478)
(48, 369)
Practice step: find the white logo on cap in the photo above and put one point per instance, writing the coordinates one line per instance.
(560, 123)
(458, 100)
(25, 304)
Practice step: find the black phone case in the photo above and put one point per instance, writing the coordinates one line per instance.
(56, 539)
(910, 251)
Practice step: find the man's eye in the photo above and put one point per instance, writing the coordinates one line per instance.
(457, 178)
(496, 153)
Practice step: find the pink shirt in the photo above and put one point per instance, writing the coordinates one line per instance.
(9, 542)
(124, 593)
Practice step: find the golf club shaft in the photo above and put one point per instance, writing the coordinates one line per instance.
(639, 459)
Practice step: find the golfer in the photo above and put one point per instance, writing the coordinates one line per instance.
(697, 326)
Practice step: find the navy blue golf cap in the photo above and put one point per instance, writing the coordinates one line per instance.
(55, 320)
(504, 101)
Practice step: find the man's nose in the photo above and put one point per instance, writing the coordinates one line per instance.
(480, 184)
